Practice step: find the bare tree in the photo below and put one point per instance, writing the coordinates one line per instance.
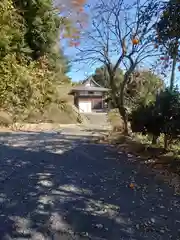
(120, 36)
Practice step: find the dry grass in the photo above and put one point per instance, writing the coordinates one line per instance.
(63, 93)
(63, 112)
(115, 120)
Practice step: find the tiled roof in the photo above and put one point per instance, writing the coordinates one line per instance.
(91, 79)
(88, 88)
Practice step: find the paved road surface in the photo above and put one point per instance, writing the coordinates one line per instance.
(61, 186)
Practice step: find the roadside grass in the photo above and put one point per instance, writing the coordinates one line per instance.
(115, 120)
(140, 146)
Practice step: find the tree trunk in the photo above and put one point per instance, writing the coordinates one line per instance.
(123, 114)
(173, 72)
(154, 139)
(174, 57)
(119, 101)
(165, 141)
(122, 109)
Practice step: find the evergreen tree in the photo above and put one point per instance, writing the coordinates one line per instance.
(42, 25)
(168, 35)
(32, 65)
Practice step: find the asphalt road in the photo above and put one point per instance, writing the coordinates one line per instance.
(63, 187)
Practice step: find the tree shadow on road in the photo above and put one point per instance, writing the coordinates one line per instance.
(64, 187)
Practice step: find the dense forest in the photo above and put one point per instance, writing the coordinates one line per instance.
(32, 65)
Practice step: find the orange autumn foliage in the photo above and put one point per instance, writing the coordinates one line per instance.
(78, 2)
(76, 19)
(131, 185)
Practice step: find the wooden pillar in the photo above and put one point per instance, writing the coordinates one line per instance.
(102, 101)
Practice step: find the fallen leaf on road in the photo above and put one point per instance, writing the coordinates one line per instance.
(132, 185)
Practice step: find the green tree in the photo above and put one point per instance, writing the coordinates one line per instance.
(12, 30)
(28, 82)
(101, 76)
(42, 25)
(141, 89)
(168, 35)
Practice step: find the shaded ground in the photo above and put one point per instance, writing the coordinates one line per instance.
(61, 186)
(153, 155)
(167, 161)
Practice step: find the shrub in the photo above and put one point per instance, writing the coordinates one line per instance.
(162, 116)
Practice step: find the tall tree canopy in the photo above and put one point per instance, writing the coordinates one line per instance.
(144, 87)
(168, 27)
(101, 76)
(141, 89)
(168, 36)
(32, 65)
(42, 24)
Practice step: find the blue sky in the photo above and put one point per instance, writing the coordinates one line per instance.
(80, 71)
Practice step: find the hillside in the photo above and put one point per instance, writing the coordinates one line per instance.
(62, 111)
(33, 69)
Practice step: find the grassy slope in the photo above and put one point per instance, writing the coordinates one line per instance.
(63, 113)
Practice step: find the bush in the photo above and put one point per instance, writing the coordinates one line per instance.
(146, 121)
(163, 116)
(25, 87)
